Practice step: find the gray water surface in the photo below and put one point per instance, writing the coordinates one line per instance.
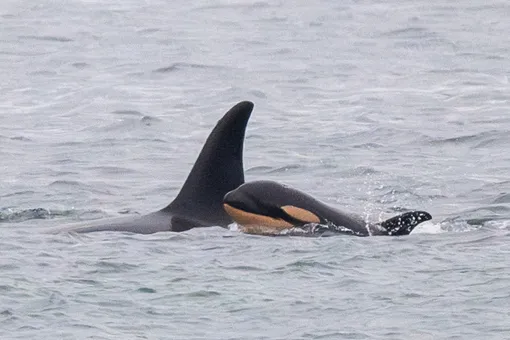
(373, 107)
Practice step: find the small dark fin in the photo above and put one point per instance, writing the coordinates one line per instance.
(218, 169)
(405, 223)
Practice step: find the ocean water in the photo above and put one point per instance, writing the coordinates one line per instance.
(373, 107)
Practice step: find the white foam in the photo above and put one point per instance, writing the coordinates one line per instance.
(428, 227)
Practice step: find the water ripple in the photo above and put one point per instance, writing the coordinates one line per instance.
(186, 66)
(45, 38)
(380, 105)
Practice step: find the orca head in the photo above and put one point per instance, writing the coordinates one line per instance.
(266, 204)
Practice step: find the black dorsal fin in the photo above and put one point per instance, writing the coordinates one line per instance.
(218, 169)
(405, 223)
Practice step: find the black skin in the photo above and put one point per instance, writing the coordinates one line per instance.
(217, 170)
(267, 197)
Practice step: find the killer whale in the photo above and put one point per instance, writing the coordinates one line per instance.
(270, 208)
(217, 170)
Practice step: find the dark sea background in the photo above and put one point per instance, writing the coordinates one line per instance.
(374, 107)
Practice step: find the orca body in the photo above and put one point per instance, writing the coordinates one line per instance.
(218, 170)
(270, 208)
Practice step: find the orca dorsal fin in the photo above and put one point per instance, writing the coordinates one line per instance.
(218, 168)
(405, 223)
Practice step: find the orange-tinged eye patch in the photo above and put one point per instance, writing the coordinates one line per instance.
(301, 214)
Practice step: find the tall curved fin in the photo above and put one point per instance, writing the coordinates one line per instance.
(218, 168)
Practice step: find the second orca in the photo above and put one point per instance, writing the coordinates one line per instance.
(218, 170)
(271, 208)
